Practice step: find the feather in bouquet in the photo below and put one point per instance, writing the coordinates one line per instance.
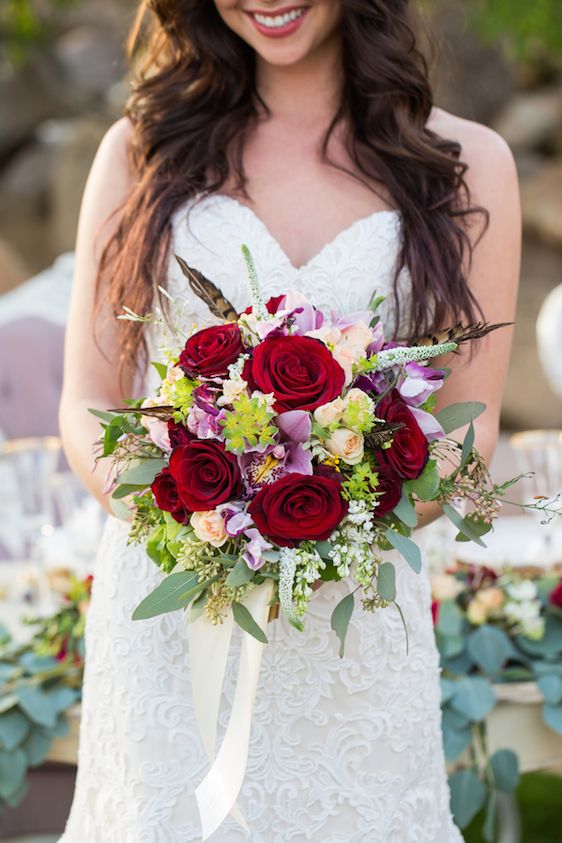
(285, 446)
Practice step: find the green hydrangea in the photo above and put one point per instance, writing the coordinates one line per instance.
(248, 424)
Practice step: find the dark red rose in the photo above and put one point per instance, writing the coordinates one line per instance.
(178, 434)
(206, 475)
(555, 596)
(272, 305)
(209, 352)
(390, 487)
(166, 495)
(298, 507)
(409, 451)
(300, 371)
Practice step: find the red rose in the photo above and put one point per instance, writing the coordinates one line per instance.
(209, 352)
(555, 596)
(390, 487)
(178, 434)
(409, 451)
(272, 305)
(165, 493)
(298, 507)
(206, 475)
(300, 371)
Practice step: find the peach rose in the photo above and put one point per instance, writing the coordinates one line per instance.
(209, 526)
(444, 587)
(492, 598)
(346, 444)
(476, 612)
(329, 413)
(356, 339)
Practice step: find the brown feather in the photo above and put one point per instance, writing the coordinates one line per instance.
(460, 333)
(164, 412)
(208, 292)
(381, 434)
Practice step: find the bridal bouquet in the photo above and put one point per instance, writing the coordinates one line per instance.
(290, 445)
(284, 447)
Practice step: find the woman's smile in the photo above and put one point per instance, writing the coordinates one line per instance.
(279, 23)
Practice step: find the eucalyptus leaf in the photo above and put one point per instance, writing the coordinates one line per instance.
(549, 646)
(552, 716)
(467, 796)
(141, 472)
(168, 595)
(119, 508)
(489, 648)
(240, 574)
(551, 689)
(455, 742)
(197, 606)
(468, 444)
(386, 581)
(451, 646)
(447, 689)
(126, 489)
(14, 728)
(407, 548)
(457, 415)
(490, 821)
(340, 619)
(474, 698)
(13, 767)
(324, 548)
(451, 619)
(63, 697)
(462, 524)
(405, 511)
(505, 767)
(243, 618)
(37, 745)
(37, 704)
(426, 486)
(62, 726)
(36, 664)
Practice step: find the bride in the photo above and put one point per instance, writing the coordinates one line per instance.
(308, 132)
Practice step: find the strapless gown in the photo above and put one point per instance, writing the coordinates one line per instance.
(341, 750)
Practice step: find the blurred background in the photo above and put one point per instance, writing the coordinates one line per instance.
(62, 83)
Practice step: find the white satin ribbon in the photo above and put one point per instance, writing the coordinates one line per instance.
(208, 650)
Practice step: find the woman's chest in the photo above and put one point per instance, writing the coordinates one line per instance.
(302, 200)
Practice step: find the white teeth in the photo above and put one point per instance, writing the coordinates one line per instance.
(278, 20)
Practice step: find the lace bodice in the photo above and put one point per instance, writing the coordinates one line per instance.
(341, 750)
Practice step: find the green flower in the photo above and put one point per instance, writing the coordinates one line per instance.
(248, 424)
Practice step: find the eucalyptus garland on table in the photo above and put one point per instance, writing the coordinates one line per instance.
(492, 629)
(39, 681)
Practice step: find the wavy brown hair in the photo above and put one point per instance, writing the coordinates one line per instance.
(193, 103)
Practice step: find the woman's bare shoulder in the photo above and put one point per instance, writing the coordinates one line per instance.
(491, 165)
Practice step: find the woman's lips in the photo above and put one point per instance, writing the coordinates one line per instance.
(281, 23)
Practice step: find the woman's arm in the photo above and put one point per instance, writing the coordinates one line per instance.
(493, 277)
(90, 372)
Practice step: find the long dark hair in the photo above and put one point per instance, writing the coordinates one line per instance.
(192, 104)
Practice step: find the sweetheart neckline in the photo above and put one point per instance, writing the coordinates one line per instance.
(386, 214)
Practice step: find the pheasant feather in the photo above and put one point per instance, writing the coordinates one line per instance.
(460, 333)
(381, 434)
(208, 292)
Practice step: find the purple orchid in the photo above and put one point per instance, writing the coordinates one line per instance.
(253, 554)
(417, 383)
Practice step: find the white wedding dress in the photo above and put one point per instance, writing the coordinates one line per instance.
(341, 750)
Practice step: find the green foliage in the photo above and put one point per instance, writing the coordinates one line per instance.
(361, 484)
(340, 619)
(248, 424)
(532, 29)
(39, 681)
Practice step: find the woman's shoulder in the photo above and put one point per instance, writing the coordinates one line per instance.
(488, 155)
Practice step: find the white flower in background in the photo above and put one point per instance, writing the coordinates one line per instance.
(533, 628)
(476, 613)
(209, 526)
(330, 413)
(524, 590)
(444, 587)
(347, 445)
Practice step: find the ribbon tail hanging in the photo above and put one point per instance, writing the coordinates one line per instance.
(217, 793)
(208, 651)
